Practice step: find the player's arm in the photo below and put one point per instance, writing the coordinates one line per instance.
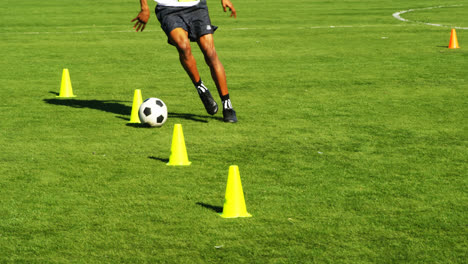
(227, 4)
(142, 17)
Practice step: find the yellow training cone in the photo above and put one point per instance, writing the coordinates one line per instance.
(453, 44)
(66, 90)
(178, 151)
(234, 203)
(137, 101)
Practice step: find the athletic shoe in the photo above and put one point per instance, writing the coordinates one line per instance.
(229, 115)
(210, 104)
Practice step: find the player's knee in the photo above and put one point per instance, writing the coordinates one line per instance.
(184, 48)
(211, 56)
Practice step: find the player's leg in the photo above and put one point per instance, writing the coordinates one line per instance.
(218, 74)
(179, 38)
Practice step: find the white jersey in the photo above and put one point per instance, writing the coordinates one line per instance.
(177, 2)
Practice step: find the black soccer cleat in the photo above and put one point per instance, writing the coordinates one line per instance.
(210, 104)
(229, 115)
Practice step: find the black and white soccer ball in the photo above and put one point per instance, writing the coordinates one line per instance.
(153, 111)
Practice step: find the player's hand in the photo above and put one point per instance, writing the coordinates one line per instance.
(227, 4)
(141, 20)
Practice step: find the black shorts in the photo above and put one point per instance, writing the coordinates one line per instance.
(194, 19)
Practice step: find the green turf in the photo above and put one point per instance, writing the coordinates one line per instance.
(351, 141)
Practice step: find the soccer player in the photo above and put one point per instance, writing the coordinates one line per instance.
(184, 21)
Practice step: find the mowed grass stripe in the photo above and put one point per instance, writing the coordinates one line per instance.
(351, 143)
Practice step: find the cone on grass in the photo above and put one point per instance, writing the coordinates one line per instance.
(453, 44)
(137, 101)
(234, 203)
(178, 151)
(66, 90)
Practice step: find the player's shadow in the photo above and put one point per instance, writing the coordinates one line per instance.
(119, 108)
(217, 209)
(111, 106)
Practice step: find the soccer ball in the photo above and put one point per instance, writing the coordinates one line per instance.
(153, 111)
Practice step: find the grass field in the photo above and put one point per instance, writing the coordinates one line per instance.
(351, 140)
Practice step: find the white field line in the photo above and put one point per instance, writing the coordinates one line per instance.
(316, 27)
(133, 31)
(397, 15)
(70, 32)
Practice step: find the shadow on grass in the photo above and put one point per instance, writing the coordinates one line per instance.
(111, 106)
(217, 209)
(196, 118)
(117, 107)
(160, 159)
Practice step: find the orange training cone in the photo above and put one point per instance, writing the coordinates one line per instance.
(234, 203)
(453, 40)
(66, 90)
(137, 101)
(178, 151)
